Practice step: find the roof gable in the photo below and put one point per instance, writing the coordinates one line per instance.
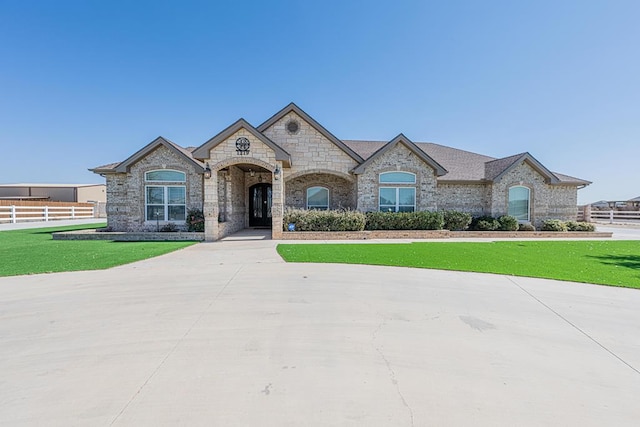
(317, 126)
(202, 152)
(158, 142)
(401, 139)
(496, 169)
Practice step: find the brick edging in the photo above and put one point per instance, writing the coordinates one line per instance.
(126, 236)
(435, 234)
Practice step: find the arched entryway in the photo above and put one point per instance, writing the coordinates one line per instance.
(260, 203)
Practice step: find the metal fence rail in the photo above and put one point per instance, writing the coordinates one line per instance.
(13, 214)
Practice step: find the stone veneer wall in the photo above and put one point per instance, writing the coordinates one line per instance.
(472, 198)
(126, 191)
(232, 206)
(342, 193)
(399, 158)
(231, 201)
(547, 201)
(309, 149)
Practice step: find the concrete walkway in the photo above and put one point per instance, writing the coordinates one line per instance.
(227, 334)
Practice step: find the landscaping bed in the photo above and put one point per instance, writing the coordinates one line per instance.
(438, 234)
(120, 236)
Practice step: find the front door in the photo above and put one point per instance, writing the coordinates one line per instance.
(260, 205)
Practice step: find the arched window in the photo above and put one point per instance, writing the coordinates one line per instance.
(165, 202)
(318, 198)
(165, 175)
(397, 178)
(519, 203)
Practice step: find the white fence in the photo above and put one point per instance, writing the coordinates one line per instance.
(14, 214)
(610, 216)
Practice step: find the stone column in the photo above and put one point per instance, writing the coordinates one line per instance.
(210, 208)
(277, 203)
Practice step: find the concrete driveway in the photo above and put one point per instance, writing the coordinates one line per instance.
(226, 334)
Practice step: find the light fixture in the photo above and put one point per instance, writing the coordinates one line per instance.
(252, 173)
(207, 172)
(276, 173)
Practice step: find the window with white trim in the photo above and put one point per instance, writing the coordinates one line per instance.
(397, 199)
(397, 177)
(318, 198)
(519, 203)
(165, 202)
(165, 175)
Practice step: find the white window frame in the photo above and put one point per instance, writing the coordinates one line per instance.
(316, 207)
(528, 219)
(380, 176)
(146, 176)
(165, 203)
(397, 205)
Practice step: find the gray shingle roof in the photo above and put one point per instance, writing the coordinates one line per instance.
(461, 165)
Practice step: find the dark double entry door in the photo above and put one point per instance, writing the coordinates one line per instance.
(260, 205)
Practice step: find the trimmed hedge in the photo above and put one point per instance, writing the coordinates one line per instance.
(456, 221)
(559, 225)
(554, 225)
(485, 223)
(508, 223)
(423, 220)
(580, 226)
(315, 220)
(526, 227)
(489, 223)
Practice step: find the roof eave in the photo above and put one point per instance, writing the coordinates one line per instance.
(124, 166)
(203, 151)
(437, 167)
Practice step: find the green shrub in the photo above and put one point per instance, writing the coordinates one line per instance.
(580, 226)
(485, 223)
(169, 227)
(316, 220)
(508, 223)
(554, 225)
(195, 220)
(456, 221)
(526, 227)
(423, 220)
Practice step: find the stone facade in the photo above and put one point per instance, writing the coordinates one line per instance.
(547, 201)
(399, 158)
(126, 191)
(309, 149)
(291, 152)
(471, 198)
(342, 192)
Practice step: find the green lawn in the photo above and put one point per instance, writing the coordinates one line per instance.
(615, 263)
(33, 251)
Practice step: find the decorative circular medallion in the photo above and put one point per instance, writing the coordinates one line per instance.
(242, 145)
(293, 126)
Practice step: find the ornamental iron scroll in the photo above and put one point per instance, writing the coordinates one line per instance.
(242, 146)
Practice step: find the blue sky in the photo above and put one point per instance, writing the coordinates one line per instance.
(84, 83)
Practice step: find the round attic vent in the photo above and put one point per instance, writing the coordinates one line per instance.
(293, 126)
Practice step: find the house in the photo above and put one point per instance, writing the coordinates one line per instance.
(246, 176)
